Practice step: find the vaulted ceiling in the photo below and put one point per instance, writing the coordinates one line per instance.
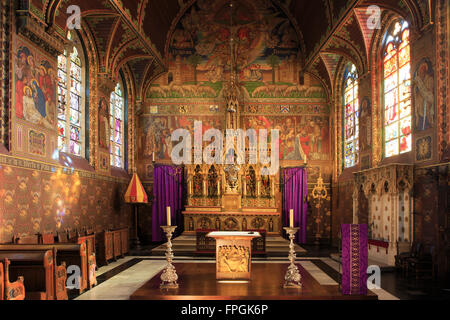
(138, 32)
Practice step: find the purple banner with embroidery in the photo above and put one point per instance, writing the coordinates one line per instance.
(354, 259)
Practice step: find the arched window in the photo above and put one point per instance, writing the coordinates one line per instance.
(351, 116)
(71, 101)
(397, 90)
(117, 126)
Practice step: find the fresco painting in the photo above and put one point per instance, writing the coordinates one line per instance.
(34, 87)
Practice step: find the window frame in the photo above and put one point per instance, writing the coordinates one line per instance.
(386, 41)
(355, 83)
(83, 99)
(112, 117)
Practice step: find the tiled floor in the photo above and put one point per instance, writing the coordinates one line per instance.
(120, 279)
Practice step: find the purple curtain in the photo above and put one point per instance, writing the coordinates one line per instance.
(354, 259)
(295, 190)
(167, 192)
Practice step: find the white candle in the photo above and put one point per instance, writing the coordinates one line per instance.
(153, 156)
(218, 188)
(168, 216)
(291, 218)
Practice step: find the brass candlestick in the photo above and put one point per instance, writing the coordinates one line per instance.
(292, 277)
(169, 276)
(320, 193)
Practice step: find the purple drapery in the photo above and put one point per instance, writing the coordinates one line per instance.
(354, 258)
(295, 190)
(167, 192)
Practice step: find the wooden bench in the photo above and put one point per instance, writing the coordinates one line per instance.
(37, 269)
(88, 240)
(111, 244)
(67, 253)
(10, 290)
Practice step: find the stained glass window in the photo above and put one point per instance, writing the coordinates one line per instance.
(351, 117)
(397, 91)
(70, 106)
(116, 125)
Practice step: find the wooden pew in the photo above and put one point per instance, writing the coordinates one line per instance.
(31, 239)
(67, 253)
(36, 267)
(89, 241)
(75, 237)
(59, 275)
(10, 290)
(111, 244)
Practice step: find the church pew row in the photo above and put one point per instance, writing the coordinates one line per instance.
(36, 269)
(10, 290)
(88, 240)
(66, 254)
(111, 244)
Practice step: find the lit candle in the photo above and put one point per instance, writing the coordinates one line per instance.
(168, 216)
(291, 218)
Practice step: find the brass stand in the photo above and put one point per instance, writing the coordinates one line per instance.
(169, 276)
(292, 277)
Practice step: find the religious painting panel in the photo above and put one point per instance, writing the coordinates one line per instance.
(424, 96)
(424, 148)
(34, 85)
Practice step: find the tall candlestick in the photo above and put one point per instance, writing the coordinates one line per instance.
(291, 218)
(168, 216)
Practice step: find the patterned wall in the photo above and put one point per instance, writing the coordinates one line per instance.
(35, 197)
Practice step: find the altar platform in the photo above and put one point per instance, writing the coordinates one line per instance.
(197, 281)
(185, 245)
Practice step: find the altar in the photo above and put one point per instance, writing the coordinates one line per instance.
(233, 254)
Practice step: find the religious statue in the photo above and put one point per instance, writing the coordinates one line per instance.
(250, 183)
(103, 123)
(231, 170)
(197, 181)
(212, 182)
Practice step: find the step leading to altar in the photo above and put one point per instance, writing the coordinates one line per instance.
(185, 244)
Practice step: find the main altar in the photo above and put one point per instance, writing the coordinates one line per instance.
(214, 203)
(231, 196)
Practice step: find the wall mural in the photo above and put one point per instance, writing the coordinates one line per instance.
(35, 86)
(424, 95)
(265, 52)
(301, 137)
(157, 132)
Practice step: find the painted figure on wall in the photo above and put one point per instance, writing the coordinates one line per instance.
(365, 128)
(103, 124)
(424, 95)
(35, 89)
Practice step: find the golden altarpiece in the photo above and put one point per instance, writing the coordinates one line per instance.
(231, 197)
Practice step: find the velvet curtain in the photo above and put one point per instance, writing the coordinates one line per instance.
(167, 192)
(295, 191)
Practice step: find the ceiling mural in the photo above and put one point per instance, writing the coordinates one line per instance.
(171, 36)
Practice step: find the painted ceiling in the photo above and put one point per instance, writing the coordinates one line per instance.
(142, 33)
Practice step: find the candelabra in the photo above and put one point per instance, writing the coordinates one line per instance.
(292, 277)
(169, 276)
(320, 193)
